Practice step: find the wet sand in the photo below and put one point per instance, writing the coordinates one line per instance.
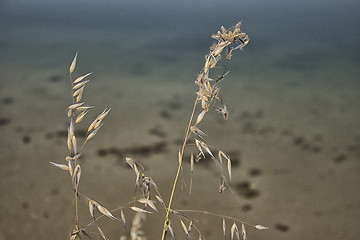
(295, 151)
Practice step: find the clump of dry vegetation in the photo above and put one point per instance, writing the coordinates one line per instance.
(207, 98)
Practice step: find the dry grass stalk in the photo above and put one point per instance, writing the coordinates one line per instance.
(228, 40)
(76, 114)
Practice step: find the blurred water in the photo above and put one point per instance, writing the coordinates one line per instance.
(286, 35)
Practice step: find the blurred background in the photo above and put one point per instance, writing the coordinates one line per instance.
(292, 94)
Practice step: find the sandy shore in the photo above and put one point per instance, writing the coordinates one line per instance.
(295, 148)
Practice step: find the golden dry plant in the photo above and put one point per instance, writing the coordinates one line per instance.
(207, 98)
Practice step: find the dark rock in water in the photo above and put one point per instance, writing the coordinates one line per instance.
(157, 131)
(316, 149)
(144, 150)
(175, 105)
(254, 172)
(55, 78)
(62, 133)
(7, 100)
(165, 114)
(281, 227)
(299, 140)
(26, 139)
(246, 207)
(340, 158)
(246, 190)
(25, 205)
(4, 121)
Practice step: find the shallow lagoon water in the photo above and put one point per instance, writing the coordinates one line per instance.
(293, 97)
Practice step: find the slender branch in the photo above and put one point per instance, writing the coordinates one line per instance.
(187, 134)
(75, 164)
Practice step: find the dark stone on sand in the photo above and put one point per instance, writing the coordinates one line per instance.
(259, 114)
(175, 105)
(102, 152)
(25, 205)
(4, 121)
(156, 131)
(45, 214)
(81, 133)
(55, 78)
(248, 128)
(7, 100)
(247, 207)
(165, 114)
(26, 139)
(144, 151)
(340, 158)
(281, 227)
(299, 140)
(353, 148)
(266, 129)
(49, 135)
(55, 191)
(316, 149)
(254, 172)
(246, 190)
(62, 133)
(317, 137)
(305, 146)
(286, 132)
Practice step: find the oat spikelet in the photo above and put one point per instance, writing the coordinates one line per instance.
(79, 96)
(76, 105)
(200, 117)
(185, 229)
(234, 231)
(74, 142)
(190, 226)
(136, 209)
(92, 134)
(70, 168)
(69, 140)
(160, 201)
(82, 108)
(81, 116)
(197, 131)
(223, 155)
(91, 127)
(103, 114)
(123, 219)
(206, 148)
(91, 207)
(76, 177)
(106, 212)
(81, 78)
(78, 91)
(198, 145)
(148, 202)
(81, 84)
(102, 233)
(261, 227)
(73, 64)
(130, 161)
(171, 231)
(243, 231)
(61, 166)
(224, 227)
(229, 168)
